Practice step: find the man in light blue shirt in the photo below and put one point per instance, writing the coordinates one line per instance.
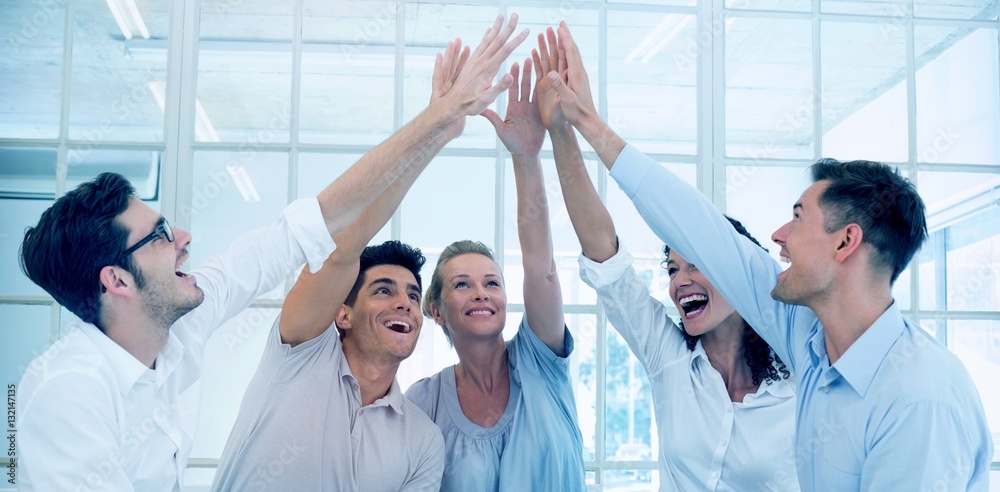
(882, 406)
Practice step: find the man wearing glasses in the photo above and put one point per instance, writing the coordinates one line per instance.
(113, 405)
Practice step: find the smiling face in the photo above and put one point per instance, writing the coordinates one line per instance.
(384, 323)
(702, 308)
(809, 250)
(473, 300)
(167, 293)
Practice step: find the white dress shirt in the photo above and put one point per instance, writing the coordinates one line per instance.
(92, 417)
(707, 441)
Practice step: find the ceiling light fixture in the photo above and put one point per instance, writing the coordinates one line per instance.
(126, 14)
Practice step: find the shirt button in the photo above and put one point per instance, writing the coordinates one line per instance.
(723, 443)
(826, 389)
(729, 409)
(715, 474)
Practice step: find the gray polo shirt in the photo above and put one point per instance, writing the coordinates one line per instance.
(302, 427)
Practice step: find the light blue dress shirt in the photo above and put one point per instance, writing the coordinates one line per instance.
(897, 411)
(536, 444)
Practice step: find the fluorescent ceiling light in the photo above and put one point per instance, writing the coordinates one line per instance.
(243, 183)
(126, 14)
(663, 33)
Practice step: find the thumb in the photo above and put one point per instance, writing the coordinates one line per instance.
(504, 84)
(494, 119)
(557, 83)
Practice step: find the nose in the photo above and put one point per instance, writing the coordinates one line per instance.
(182, 238)
(403, 301)
(681, 278)
(781, 234)
(480, 293)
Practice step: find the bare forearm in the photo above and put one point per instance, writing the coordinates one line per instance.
(533, 227)
(602, 138)
(312, 304)
(590, 218)
(345, 199)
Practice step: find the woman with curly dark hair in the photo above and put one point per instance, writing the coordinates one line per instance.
(725, 409)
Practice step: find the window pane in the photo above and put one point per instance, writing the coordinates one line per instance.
(17, 215)
(769, 89)
(348, 61)
(762, 198)
(429, 27)
(974, 9)
(977, 344)
(894, 8)
(233, 194)
(119, 72)
(25, 332)
(629, 425)
(244, 72)
(566, 245)
(973, 262)
(232, 355)
(652, 80)
(31, 64)
(958, 116)
(864, 92)
(452, 200)
(797, 5)
(631, 480)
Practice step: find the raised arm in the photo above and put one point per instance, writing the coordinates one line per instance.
(344, 200)
(590, 218)
(522, 133)
(313, 302)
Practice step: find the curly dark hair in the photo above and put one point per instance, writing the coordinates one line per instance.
(764, 364)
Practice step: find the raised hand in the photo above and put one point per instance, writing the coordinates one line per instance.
(447, 66)
(473, 89)
(573, 89)
(522, 131)
(549, 58)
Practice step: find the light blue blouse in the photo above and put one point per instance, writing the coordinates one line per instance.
(536, 444)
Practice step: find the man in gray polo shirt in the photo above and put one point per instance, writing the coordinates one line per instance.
(324, 412)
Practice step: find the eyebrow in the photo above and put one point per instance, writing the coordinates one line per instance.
(798, 205)
(391, 282)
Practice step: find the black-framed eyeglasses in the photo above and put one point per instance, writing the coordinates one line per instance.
(162, 229)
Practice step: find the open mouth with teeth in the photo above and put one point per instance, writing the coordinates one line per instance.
(398, 326)
(693, 304)
(182, 274)
(480, 312)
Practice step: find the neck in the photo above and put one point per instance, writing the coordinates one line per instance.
(482, 363)
(847, 313)
(138, 334)
(374, 377)
(724, 348)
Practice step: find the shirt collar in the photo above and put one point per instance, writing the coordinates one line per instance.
(126, 368)
(862, 359)
(393, 399)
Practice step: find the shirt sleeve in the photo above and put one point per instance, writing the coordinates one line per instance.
(430, 470)
(256, 263)
(641, 319)
(532, 355)
(68, 443)
(319, 354)
(683, 218)
(925, 447)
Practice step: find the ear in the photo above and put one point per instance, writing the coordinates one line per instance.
(436, 314)
(344, 317)
(850, 240)
(116, 281)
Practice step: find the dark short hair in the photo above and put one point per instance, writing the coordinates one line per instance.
(388, 253)
(75, 238)
(882, 202)
(765, 365)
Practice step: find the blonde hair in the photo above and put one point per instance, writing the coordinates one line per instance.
(457, 248)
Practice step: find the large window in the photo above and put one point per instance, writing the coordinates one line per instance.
(223, 111)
